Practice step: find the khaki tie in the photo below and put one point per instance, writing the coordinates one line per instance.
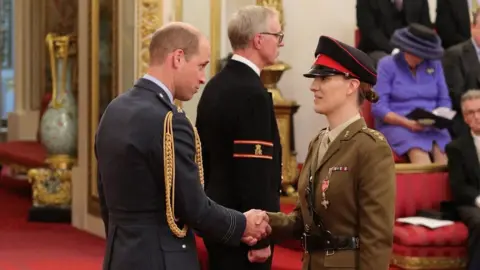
(322, 150)
(474, 6)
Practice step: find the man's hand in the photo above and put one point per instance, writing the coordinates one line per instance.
(259, 255)
(257, 226)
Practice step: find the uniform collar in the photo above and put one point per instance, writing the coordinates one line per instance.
(333, 134)
(247, 62)
(161, 85)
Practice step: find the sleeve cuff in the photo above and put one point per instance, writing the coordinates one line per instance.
(234, 235)
(261, 244)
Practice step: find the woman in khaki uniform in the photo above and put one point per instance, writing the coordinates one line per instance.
(345, 212)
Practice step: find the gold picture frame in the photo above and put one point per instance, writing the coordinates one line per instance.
(97, 98)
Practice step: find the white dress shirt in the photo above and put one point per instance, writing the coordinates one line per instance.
(247, 62)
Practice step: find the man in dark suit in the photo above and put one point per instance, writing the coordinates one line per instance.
(237, 125)
(145, 149)
(461, 67)
(378, 19)
(453, 21)
(464, 173)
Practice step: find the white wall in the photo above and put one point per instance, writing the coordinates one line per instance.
(306, 20)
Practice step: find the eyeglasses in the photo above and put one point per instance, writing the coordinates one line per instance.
(279, 35)
(471, 112)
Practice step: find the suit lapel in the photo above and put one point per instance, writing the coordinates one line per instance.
(337, 144)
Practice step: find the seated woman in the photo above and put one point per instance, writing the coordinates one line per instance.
(410, 79)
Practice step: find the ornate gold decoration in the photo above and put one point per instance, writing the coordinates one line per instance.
(284, 109)
(95, 100)
(150, 18)
(61, 48)
(276, 5)
(420, 263)
(51, 186)
(169, 172)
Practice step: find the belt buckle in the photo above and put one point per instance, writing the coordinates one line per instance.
(329, 237)
(304, 242)
(329, 252)
(356, 240)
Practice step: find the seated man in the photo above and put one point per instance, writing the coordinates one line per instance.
(462, 68)
(464, 173)
(378, 19)
(453, 21)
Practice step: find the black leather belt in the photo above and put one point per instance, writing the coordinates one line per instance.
(328, 242)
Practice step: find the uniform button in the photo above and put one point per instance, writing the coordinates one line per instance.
(184, 246)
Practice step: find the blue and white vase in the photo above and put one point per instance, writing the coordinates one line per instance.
(59, 123)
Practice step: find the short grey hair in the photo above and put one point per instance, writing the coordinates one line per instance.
(246, 23)
(470, 95)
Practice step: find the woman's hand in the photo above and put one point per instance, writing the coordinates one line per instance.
(413, 125)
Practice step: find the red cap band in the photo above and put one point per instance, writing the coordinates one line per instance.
(326, 61)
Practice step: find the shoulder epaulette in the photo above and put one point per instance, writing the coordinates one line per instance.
(374, 134)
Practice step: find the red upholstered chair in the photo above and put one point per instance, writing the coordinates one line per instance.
(417, 247)
(357, 37)
(26, 154)
(370, 121)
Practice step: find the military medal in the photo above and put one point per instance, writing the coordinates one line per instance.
(326, 183)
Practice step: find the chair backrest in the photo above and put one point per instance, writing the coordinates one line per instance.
(420, 191)
(357, 37)
(43, 107)
(366, 113)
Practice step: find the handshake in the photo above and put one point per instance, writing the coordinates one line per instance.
(256, 229)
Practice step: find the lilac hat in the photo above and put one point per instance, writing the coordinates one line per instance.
(418, 40)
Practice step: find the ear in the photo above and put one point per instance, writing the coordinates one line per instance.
(178, 58)
(257, 41)
(354, 86)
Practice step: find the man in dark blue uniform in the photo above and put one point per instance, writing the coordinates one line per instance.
(238, 128)
(149, 166)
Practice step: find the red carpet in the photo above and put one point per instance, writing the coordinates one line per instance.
(41, 246)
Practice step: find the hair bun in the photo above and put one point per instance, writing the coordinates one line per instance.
(371, 96)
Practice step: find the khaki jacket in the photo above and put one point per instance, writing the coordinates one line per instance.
(361, 200)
